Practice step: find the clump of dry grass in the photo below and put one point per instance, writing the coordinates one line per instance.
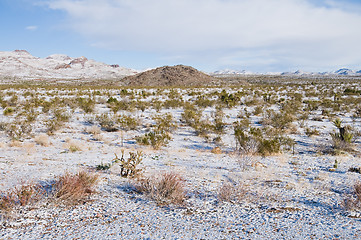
(15, 143)
(353, 200)
(21, 196)
(43, 140)
(29, 148)
(74, 187)
(73, 145)
(166, 188)
(95, 130)
(231, 193)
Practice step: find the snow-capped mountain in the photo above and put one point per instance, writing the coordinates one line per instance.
(231, 72)
(21, 64)
(341, 72)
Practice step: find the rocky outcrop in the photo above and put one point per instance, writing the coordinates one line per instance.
(180, 76)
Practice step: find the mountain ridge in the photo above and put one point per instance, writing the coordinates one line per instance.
(21, 64)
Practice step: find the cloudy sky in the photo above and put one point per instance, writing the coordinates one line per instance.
(256, 35)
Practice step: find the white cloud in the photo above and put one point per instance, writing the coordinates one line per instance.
(293, 33)
(31, 28)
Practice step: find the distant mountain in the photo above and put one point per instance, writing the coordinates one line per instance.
(340, 72)
(231, 72)
(21, 64)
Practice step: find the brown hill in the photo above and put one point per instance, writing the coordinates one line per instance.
(179, 76)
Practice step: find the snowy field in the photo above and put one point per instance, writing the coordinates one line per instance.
(256, 162)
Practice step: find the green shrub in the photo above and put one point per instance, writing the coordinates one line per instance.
(19, 129)
(128, 122)
(156, 139)
(229, 100)
(87, 104)
(191, 115)
(164, 123)
(343, 139)
(8, 111)
(269, 147)
(108, 123)
(128, 167)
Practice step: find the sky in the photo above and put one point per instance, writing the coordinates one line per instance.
(255, 35)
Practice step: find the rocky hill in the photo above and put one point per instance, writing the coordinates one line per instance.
(178, 75)
(22, 65)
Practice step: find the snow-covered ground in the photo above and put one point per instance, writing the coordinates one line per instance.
(295, 194)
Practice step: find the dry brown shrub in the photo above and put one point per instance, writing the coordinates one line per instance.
(353, 200)
(15, 143)
(29, 148)
(93, 130)
(229, 192)
(42, 139)
(74, 187)
(166, 188)
(216, 150)
(73, 145)
(21, 196)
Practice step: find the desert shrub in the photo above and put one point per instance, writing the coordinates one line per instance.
(74, 187)
(19, 129)
(30, 115)
(291, 107)
(311, 131)
(343, 139)
(280, 121)
(312, 105)
(21, 196)
(245, 143)
(258, 110)
(219, 125)
(8, 111)
(3, 126)
(141, 105)
(228, 99)
(46, 106)
(128, 122)
(245, 161)
(87, 104)
(229, 192)
(172, 103)
(353, 200)
(156, 104)
(60, 117)
(358, 112)
(73, 145)
(251, 141)
(93, 130)
(165, 123)
(166, 188)
(191, 115)
(203, 128)
(52, 126)
(156, 139)
(204, 102)
(103, 166)
(42, 139)
(128, 167)
(112, 100)
(352, 91)
(269, 146)
(108, 123)
(123, 104)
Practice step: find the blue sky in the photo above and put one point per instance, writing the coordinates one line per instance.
(256, 35)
